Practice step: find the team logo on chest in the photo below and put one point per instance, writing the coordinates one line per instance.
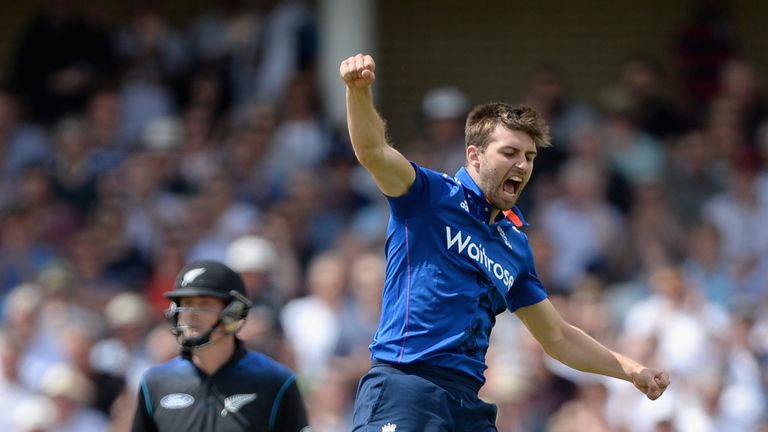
(232, 404)
(504, 236)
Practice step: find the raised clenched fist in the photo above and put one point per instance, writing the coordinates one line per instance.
(358, 71)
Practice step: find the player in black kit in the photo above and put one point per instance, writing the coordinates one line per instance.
(216, 384)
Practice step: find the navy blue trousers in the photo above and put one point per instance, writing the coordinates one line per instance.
(394, 398)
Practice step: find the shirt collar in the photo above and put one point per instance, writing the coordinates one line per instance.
(514, 214)
(239, 353)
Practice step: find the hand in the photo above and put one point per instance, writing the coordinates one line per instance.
(651, 382)
(358, 71)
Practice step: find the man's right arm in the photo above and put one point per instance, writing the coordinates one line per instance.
(390, 169)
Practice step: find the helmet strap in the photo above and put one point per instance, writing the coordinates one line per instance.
(190, 343)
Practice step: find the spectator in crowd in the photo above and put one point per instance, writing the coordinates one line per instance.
(703, 43)
(257, 261)
(744, 244)
(634, 153)
(119, 356)
(36, 414)
(652, 235)
(152, 59)
(221, 218)
(443, 112)
(22, 253)
(301, 140)
(247, 141)
(549, 94)
(61, 54)
(75, 182)
(581, 203)
(289, 46)
(103, 118)
(740, 84)
(327, 301)
(691, 167)
(358, 324)
(12, 391)
(71, 393)
(21, 144)
(707, 268)
(651, 105)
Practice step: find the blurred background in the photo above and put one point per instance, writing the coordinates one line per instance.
(137, 136)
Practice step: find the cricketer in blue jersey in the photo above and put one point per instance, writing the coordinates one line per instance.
(456, 258)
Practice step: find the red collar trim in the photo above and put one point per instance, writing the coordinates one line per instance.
(511, 215)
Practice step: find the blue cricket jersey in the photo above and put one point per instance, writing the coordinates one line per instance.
(449, 273)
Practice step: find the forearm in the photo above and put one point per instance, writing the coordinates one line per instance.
(366, 128)
(392, 172)
(573, 347)
(582, 352)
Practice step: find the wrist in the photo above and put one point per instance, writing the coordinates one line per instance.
(630, 367)
(355, 91)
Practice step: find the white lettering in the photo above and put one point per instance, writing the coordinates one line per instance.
(498, 271)
(457, 238)
(508, 279)
(477, 253)
(474, 252)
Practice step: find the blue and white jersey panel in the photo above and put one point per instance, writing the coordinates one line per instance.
(449, 273)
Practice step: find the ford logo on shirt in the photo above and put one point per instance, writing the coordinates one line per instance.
(177, 401)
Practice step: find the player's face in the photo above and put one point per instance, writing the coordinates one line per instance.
(198, 314)
(505, 166)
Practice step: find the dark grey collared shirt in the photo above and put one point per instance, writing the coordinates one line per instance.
(251, 392)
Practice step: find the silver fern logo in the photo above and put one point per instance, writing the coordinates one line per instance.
(233, 403)
(191, 275)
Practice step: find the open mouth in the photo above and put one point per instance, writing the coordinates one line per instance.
(512, 185)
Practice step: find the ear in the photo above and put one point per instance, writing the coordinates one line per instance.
(473, 156)
(233, 327)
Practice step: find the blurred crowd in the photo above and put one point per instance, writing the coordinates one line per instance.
(126, 153)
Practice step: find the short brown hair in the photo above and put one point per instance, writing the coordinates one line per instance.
(484, 118)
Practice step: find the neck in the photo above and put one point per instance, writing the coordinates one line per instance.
(494, 215)
(212, 356)
(476, 177)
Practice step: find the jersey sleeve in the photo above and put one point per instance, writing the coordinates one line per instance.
(427, 189)
(527, 289)
(288, 411)
(142, 418)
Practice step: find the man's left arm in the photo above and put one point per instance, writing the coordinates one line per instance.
(573, 347)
